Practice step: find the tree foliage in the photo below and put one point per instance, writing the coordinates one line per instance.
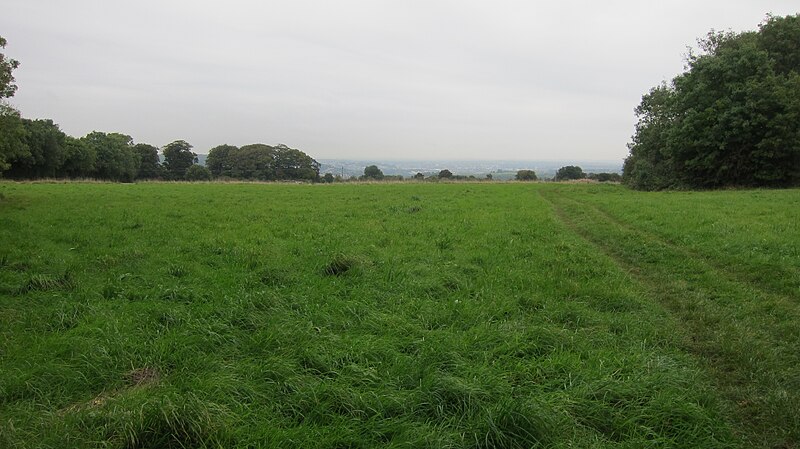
(262, 162)
(31, 149)
(38, 148)
(605, 177)
(525, 175)
(149, 167)
(79, 159)
(290, 163)
(731, 119)
(7, 66)
(178, 157)
(198, 173)
(373, 172)
(445, 174)
(116, 158)
(13, 146)
(569, 172)
(217, 160)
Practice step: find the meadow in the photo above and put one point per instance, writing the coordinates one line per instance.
(451, 315)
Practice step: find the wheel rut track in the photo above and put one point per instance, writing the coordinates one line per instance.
(739, 352)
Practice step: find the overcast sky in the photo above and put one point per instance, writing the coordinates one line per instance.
(409, 79)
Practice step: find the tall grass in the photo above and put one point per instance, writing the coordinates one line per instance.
(402, 315)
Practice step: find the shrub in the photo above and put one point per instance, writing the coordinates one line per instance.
(569, 172)
(198, 173)
(373, 172)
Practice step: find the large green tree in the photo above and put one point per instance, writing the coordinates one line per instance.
(149, 167)
(732, 119)
(12, 131)
(525, 175)
(254, 161)
(569, 172)
(217, 160)
(79, 159)
(178, 157)
(262, 162)
(116, 159)
(45, 155)
(290, 163)
(373, 172)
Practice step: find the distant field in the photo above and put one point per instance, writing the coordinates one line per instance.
(401, 315)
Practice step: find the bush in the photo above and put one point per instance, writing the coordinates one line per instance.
(569, 172)
(373, 172)
(606, 177)
(526, 175)
(198, 173)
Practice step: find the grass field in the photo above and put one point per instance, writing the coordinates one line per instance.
(400, 315)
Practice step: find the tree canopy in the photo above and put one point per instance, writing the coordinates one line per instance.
(12, 131)
(178, 157)
(116, 158)
(569, 172)
(731, 119)
(262, 162)
(373, 172)
(38, 148)
(7, 66)
(525, 175)
(605, 177)
(198, 173)
(149, 168)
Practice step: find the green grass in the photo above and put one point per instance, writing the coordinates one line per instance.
(402, 315)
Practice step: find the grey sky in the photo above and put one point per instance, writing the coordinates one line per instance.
(360, 79)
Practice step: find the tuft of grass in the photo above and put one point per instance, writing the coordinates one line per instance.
(142, 376)
(47, 282)
(274, 277)
(339, 265)
(177, 270)
(516, 425)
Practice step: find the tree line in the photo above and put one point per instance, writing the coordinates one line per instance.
(261, 162)
(32, 149)
(35, 149)
(731, 119)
